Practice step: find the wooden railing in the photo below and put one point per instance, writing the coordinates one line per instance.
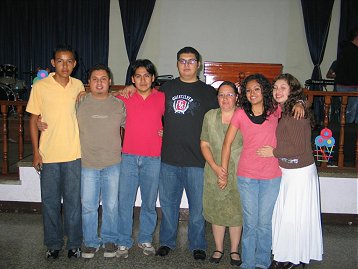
(327, 96)
(7, 107)
(19, 108)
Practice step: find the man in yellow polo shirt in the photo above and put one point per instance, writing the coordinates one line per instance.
(58, 153)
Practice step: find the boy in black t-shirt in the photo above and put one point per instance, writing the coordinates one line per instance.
(187, 99)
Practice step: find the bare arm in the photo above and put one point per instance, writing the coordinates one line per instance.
(34, 134)
(79, 96)
(42, 126)
(126, 92)
(298, 111)
(265, 151)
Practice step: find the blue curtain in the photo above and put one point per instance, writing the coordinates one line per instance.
(30, 30)
(317, 18)
(15, 36)
(135, 19)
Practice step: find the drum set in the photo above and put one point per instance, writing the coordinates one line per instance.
(11, 88)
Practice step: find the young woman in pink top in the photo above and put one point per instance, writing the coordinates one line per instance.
(258, 177)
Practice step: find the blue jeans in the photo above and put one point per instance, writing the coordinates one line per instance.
(352, 106)
(258, 199)
(137, 171)
(173, 179)
(96, 183)
(61, 180)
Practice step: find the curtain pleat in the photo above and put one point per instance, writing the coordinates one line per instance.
(30, 30)
(135, 19)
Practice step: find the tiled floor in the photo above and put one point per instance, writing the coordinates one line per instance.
(21, 247)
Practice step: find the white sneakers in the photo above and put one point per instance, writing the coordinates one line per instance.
(122, 252)
(148, 249)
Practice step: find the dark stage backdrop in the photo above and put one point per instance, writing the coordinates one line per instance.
(30, 30)
(348, 22)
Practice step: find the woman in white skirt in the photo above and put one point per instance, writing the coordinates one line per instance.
(296, 220)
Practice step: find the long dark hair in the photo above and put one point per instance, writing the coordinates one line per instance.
(266, 90)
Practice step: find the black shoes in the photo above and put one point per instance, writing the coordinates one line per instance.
(216, 260)
(282, 265)
(162, 251)
(235, 262)
(75, 253)
(276, 265)
(52, 253)
(291, 265)
(199, 254)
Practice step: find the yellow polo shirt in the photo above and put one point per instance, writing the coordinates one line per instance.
(56, 105)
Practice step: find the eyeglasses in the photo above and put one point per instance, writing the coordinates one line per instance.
(228, 95)
(189, 61)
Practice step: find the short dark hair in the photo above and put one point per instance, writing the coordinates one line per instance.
(147, 64)
(97, 67)
(189, 50)
(229, 83)
(63, 47)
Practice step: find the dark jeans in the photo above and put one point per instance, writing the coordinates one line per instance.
(61, 180)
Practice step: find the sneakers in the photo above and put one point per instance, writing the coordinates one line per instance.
(148, 249)
(52, 253)
(75, 253)
(88, 252)
(110, 250)
(122, 252)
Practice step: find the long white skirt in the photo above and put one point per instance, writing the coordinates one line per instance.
(296, 219)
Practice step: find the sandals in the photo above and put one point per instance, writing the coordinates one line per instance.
(235, 262)
(216, 260)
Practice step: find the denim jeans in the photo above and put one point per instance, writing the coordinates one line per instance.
(173, 179)
(142, 171)
(352, 106)
(96, 183)
(61, 180)
(258, 199)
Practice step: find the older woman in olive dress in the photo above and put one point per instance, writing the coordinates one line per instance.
(221, 199)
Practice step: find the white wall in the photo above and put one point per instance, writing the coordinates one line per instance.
(338, 195)
(270, 31)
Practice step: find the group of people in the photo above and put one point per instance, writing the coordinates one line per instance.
(259, 158)
(219, 146)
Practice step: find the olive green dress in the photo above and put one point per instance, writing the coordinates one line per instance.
(221, 207)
